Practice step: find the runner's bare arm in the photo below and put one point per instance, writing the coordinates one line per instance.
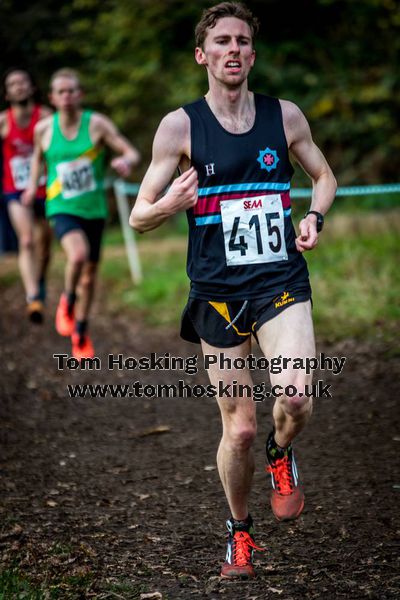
(313, 162)
(170, 147)
(28, 196)
(106, 132)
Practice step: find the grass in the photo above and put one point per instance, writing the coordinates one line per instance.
(14, 585)
(356, 279)
(9, 278)
(165, 285)
(354, 275)
(351, 205)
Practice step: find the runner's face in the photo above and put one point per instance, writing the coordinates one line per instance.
(65, 94)
(18, 87)
(228, 51)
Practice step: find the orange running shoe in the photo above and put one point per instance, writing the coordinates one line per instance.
(65, 320)
(82, 346)
(35, 310)
(287, 498)
(240, 551)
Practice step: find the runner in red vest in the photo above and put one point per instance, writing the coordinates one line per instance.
(34, 235)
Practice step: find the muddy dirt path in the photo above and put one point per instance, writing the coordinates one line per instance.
(116, 498)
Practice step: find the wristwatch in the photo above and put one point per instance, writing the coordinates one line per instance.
(320, 219)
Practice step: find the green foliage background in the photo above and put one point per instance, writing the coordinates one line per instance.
(337, 59)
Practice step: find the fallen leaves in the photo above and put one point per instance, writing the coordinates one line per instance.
(154, 430)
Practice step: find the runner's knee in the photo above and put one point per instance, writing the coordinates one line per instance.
(241, 433)
(296, 405)
(242, 437)
(78, 258)
(26, 242)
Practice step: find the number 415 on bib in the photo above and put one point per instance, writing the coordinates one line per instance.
(254, 230)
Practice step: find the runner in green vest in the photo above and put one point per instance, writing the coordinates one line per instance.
(72, 143)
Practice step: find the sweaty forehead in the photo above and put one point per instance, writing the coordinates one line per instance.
(229, 26)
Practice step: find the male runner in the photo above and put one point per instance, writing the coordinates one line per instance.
(72, 142)
(33, 232)
(245, 262)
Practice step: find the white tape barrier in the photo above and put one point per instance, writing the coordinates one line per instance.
(122, 189)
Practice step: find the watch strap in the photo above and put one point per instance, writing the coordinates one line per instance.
(320, 218)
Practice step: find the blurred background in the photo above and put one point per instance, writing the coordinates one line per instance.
(109, 498)
(337, 59)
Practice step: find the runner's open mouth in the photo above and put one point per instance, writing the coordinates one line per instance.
(233, 64)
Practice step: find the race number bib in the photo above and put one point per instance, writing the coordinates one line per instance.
(76, 177)
(253, 230)
(20, 170)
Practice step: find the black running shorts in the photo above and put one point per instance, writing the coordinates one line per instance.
(92, 228)
(37, 206)
(228, 324)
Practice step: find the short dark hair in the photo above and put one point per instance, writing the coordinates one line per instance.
(211, 15)
(12, 70)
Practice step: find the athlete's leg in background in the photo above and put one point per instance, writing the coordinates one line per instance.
(85, 290)
(76, 247)
(43, 240)
(22, 220)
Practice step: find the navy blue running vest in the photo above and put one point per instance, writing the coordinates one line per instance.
(241, 235)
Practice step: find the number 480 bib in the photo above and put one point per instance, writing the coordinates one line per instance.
(253, 230)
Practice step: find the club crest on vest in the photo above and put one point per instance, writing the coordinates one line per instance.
(268, 159)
